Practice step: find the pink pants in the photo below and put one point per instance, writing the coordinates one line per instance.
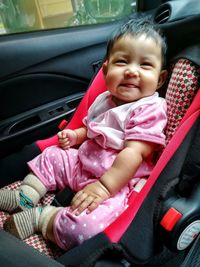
(58, 168)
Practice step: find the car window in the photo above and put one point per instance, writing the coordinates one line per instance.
(24, 15)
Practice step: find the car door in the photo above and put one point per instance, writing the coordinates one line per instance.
(44, 73)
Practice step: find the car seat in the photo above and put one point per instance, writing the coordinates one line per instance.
(177, 93)
(124, 235)
(133, 234)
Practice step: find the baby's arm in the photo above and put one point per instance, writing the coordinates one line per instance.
(123, 169)
(68, 138)
(126, 164)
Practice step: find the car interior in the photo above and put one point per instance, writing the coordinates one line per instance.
(48, 81)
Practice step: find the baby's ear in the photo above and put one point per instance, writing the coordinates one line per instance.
(105, 67)
(162, 78)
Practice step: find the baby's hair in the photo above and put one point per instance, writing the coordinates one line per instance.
(137, 27)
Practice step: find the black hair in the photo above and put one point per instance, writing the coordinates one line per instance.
(137, 27)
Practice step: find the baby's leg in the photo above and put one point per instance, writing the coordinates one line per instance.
(53, 168)
(26, 223)
(71, 230)
(56, 168)
(26, 197)
(62, 226)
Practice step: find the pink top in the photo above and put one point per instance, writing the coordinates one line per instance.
(112, 125)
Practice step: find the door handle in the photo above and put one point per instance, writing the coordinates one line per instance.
(23, 124)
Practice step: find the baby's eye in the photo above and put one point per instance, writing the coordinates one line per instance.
(146, 64)
(121, 62)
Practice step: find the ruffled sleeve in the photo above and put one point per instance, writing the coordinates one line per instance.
(147, 123)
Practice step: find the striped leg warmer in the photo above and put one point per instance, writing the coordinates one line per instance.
(26, 197)
(26, 223)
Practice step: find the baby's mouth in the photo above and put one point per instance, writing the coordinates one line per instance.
(129, 85)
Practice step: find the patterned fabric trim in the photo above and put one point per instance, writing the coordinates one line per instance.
(182, 87)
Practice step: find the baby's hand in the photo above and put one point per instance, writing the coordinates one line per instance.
(67, 138)
(89, 197)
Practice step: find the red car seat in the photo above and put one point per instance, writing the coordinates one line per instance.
(179, 90)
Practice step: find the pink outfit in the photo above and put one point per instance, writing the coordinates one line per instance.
(109, 126)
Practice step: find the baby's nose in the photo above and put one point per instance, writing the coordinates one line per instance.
(132, 71)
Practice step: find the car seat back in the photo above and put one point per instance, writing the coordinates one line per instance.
(124, 235)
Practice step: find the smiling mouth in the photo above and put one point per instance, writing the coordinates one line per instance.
(129, 85)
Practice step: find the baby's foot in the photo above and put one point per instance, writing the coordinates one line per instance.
(23, 224)
(9, 200)
(14, 201)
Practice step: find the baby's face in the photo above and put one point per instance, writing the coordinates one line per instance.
(133, 68)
